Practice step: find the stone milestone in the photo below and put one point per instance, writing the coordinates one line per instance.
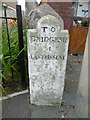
(47, 57)
(39, 12)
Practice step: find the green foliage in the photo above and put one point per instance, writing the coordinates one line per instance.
(13, 61)
(85, 23)
(0, 56)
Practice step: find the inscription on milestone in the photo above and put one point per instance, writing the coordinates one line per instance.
(48, 39)
(47, 56)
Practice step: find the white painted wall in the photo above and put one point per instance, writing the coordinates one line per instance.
(83, 7)
(22, 3)
(82, 102)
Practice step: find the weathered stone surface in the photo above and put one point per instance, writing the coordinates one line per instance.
(30, 5)
(47, 56)
(39, 12)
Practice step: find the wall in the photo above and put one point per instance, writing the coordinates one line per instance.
(11, 12)
(64, 9)
(11, 4)
(83, 7)
(82, 101)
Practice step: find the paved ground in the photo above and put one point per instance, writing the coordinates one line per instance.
(19, 107)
